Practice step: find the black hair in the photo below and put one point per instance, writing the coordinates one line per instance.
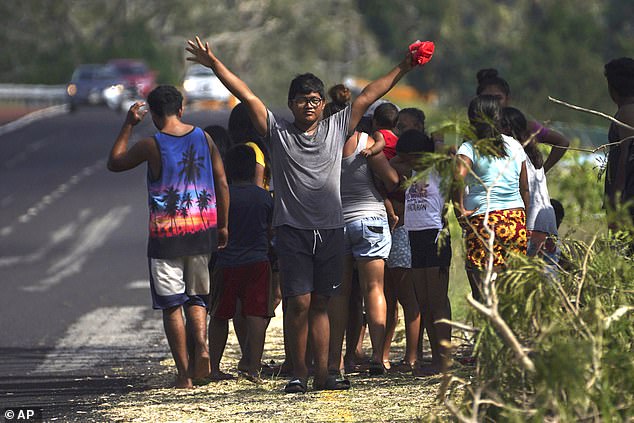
(242, 130)
(386, 115)
(484, 115)
(489, 77)
(305, 83)
(165, 100)
(414, 141)
(559, 211)
(365, 125)
(240, 163)
(620, 76)
(340, 98)
(240, 126)
(513, 123)
(221, 138)
(415, 113)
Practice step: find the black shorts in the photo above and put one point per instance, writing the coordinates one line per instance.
(430, 248)
(309, 260)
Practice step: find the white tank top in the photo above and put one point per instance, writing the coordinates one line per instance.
(359, 196)
(541, 214)
(424, 204)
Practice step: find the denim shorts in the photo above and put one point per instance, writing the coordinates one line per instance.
(368, 237)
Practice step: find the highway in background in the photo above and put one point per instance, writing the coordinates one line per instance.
(75, 311)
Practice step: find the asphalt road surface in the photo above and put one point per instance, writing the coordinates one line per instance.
(75, 310)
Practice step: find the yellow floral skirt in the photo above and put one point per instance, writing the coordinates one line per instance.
(509, 227)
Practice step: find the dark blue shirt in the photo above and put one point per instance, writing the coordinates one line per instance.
(250, 214)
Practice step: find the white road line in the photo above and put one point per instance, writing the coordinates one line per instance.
(29, 149)
(55, 195)
(63, 234)
(105, 334)
(32, 117)
(92, 236)
(141, 284)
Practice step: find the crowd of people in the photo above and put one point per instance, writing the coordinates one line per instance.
(339, 215)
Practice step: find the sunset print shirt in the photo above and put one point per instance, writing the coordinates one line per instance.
(182, 200)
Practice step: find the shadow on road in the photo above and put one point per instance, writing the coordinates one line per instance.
(64, 396)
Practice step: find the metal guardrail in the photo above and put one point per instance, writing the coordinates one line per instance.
(47, 94)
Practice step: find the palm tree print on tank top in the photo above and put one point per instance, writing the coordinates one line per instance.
(182, 200)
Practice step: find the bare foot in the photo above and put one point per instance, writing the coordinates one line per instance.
(202, 366)
(252, 377)
(183, 382)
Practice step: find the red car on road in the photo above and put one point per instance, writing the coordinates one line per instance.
(136, 73)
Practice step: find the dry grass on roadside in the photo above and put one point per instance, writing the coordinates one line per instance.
(394, 397)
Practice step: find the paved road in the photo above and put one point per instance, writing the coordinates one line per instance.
(75, 315)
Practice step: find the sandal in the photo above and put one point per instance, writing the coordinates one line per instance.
(404, 366)
(335, 382)
(377, 369)
(296, 386)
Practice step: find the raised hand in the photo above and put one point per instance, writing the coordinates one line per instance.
(201, 53)
(136, 113)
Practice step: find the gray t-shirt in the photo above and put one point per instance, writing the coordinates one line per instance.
(307, 172)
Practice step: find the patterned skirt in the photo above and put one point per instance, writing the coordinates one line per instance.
(509, 227)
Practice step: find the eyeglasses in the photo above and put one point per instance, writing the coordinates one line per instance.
(303, 101)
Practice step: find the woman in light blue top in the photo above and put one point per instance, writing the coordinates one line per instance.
(493, 168)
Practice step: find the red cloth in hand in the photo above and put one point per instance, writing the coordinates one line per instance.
(422, 51)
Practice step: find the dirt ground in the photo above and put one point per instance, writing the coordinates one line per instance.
(9, 113)
(389, 398)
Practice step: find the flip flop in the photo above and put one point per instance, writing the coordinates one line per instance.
(337, 382)
(296, 386)
(377, 369)
(404, 366)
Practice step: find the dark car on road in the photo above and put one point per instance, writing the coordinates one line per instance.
(136, 73)
(93, 84)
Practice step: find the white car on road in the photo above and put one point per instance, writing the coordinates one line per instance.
(200, 83)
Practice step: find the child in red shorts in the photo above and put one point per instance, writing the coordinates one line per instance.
(242, 270)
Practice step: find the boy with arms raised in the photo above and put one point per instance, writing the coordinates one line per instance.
(308, 218)
(188, 201)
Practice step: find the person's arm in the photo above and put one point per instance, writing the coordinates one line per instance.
(121, 158)
(524, 191)
(559, 147)
(257, 110)
(392, 217)
(380, 167)
(259, 175)
(377, 89)
(222, 194)
(376, 147)
(403, 169)
(627, 142)
(463, 167)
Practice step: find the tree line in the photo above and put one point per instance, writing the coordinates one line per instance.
(545, 47)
